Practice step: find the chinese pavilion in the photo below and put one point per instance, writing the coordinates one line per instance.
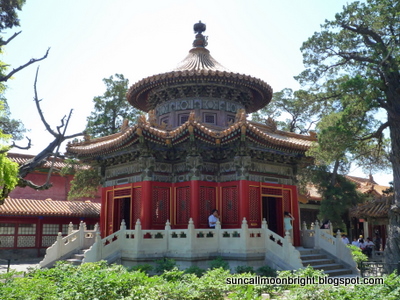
(197, 151)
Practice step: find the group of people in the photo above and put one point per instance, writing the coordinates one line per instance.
(367, 246)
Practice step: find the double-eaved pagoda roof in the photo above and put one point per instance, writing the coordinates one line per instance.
(264, 135)
(201, 69)
(200, 76)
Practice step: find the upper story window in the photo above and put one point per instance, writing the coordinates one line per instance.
(164, 120)
(230, 119)
(183, 118)
(210, 118)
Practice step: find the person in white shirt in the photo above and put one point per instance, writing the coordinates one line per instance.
(369, 246)
(213, 218)
(345, 240)
(356, 243)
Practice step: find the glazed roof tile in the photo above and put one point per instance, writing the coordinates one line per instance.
(364, 185)
(53, 208)
(21, 159)
(259, 133)
(199, 68)
(377, 208)
(199, 59)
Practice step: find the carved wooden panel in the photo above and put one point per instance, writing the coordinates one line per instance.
(271, 191)
(287, 201)
(254, 206)
(160, 205)
(207, 202)
(183, 212)
(137, 204)
(230, 206)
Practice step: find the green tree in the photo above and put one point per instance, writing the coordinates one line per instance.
(359, 51)
(111, 109)
(298, 108)
(8, 13)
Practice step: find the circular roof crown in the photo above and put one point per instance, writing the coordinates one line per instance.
(199, 68)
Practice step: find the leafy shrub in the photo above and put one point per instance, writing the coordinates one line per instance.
(219, 262)
(357, 254)
(245, 269)
(166, 264)
(195, 270)
(266, 271)
(145, 268)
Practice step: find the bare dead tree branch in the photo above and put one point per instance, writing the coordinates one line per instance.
(31, 61)
(3, 43)
(51, 150)
(27, 183)
(20, 147)
(37, 101)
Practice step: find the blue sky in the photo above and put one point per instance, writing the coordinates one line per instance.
(94, 39)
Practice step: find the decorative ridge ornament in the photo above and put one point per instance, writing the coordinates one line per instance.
(201, 40)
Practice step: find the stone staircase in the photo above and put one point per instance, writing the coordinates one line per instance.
(77, 258)
(320, 261)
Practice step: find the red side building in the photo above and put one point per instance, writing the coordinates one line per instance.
(30, 220)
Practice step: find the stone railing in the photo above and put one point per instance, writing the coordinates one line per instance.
(190, 243)
(323, 239)
(65, 246)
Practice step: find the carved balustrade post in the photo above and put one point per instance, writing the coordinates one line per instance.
(317, 235)
(167, 234)
(245, 234)
(138, 237)
(304, 226)
(82, 226)
(70, 228)
(191, 236)
(59, 245)
(338, 244)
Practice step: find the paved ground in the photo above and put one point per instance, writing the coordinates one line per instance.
(21, 265)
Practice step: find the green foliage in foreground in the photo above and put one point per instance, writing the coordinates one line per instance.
(101, 281)
(357, 254)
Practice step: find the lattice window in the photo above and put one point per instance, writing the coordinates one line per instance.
(254, 205)
(6, 228)
(230, 206)
(26, 241)
(210, 118)
(183, 205)
(7, 241)
(110, 202)
(121, 193)
(27, 229)
(160, 205)
(51, 229)
(65, 228)
(207, 203)
(137, 204)
(271, 191)
(286, 201)
(183, 118)
(48, 240)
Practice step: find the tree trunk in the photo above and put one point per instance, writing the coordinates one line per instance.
(392, 249)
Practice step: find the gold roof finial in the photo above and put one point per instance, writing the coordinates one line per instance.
(201, 40)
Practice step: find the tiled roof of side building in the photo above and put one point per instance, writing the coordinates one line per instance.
(377, 208)
(21, 159)
(53, 208)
